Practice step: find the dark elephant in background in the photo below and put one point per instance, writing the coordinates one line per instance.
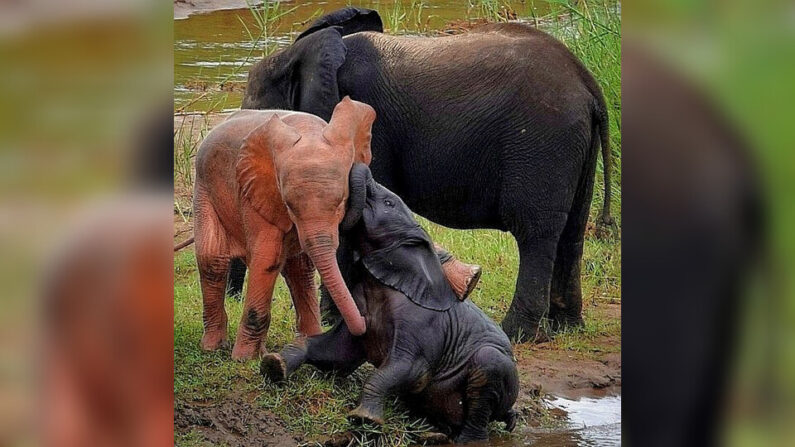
(496, 128)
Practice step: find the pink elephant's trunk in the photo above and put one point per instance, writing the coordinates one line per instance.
(323, 254)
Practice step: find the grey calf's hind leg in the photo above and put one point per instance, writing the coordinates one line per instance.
(491, 390)
(335, 351)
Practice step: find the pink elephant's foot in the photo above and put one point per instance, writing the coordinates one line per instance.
(214, 339)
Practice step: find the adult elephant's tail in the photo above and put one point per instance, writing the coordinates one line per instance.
(605, 222)
(602, 123)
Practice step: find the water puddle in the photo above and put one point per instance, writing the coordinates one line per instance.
(589, 422)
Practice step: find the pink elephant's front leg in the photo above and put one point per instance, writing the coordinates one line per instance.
(299, 273)
(265, 262)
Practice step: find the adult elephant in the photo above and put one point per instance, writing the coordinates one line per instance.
(496, 128)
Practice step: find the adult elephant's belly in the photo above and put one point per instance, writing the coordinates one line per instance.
(457, 187)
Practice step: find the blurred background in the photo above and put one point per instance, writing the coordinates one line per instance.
(708, 341)
(85, 223)
(86, 216)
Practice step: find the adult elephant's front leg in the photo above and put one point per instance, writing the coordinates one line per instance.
(265, 261)
(525, 320)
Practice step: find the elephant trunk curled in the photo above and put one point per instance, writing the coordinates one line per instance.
(360, 175)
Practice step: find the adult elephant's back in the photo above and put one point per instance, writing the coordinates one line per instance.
(453, 112)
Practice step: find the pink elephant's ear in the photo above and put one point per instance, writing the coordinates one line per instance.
(256, 172)
(275, 135)
(364, 133)
(352, 122)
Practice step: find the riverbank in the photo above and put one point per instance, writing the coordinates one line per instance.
(186, 8)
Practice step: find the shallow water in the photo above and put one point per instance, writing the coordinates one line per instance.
(215, 47)
(589, 422)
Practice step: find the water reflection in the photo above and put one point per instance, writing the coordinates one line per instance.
(589, 422)
(215, 47)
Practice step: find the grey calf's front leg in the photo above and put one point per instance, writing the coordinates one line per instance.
(335, 351)
(385, 380)
(491, 390)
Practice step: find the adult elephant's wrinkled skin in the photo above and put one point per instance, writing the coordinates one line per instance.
(447, 359)
(496, 128)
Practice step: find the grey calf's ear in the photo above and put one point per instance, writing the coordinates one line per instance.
(314, 62)
(350, 20)
(413, 269)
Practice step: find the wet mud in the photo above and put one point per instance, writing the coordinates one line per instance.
(233, 421)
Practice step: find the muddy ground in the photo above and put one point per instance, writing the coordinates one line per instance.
(543, 370)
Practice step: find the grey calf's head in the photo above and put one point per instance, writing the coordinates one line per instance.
(394, 249)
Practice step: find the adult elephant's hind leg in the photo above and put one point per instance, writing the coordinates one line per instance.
(525, 320)
(565, 307)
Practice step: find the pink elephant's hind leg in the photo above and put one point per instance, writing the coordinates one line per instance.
(212, 258)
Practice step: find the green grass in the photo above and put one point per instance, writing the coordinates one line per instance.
(314, 404)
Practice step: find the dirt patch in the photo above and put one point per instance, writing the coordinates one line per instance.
(183, 229)
(461, 26)
(233, 422)
(545, 369)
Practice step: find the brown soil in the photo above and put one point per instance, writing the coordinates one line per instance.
(233, 422)
(197, 85)
(461, 26)
(544, 369)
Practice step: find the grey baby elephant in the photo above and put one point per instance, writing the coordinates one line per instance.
(443, 356)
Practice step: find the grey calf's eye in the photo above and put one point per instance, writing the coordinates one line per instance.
(388, 202)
